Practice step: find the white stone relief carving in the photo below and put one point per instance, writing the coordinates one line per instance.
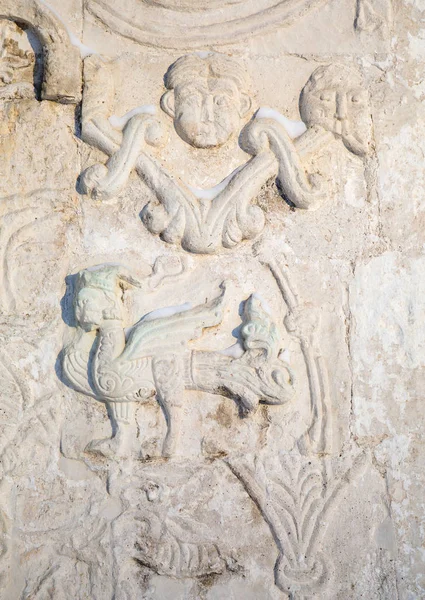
(171, 543)
(335, 100)
(207, 98)
(295, 494)
(61, 60)
(297, 491)
(166, 436)
(154, 358)
(194, 24)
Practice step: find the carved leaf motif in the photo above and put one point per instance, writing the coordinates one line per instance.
(294, 494)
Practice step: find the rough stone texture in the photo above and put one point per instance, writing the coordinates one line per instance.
(212, 318)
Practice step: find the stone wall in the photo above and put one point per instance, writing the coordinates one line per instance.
(211, 299)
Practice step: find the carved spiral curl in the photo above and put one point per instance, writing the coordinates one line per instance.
(91, 181)
(245, 222)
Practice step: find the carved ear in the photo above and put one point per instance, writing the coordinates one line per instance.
(167, 103)
(246, 104)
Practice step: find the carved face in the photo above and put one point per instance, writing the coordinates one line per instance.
(92, 307)
(334, 99)
(206, 112)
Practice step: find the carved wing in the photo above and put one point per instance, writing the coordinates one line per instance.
(75, 369)
(168, 334)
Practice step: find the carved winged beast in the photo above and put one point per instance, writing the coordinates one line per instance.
(155, 358)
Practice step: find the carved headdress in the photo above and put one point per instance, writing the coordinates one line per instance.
(206, 64)
(106, 277)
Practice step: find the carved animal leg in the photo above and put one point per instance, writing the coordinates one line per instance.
(168, 374)
(122, 416)
(171, 408)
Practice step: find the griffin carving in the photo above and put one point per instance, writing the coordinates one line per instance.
(155, 358)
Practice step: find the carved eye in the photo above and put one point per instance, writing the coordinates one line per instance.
(221, 100)
(325, 97)
(356, 99)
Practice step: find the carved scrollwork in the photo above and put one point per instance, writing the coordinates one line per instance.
(333, 104)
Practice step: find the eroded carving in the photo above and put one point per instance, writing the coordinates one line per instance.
(61, 60)
(372, 15)
(207, 98)
(16, 63)
(335, 100)
(154, 358)
(168, 542)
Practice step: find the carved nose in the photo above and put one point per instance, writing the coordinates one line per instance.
(341, 107)
(207, 109)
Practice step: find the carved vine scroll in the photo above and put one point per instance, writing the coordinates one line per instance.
(333, 104)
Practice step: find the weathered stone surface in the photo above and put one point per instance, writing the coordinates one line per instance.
(211, 305)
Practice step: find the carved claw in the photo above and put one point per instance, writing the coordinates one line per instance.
(114, 448)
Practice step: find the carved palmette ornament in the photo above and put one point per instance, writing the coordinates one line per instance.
(295, 494)
(333, 104)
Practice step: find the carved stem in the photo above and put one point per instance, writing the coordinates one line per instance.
(319, 435)
(259, 496)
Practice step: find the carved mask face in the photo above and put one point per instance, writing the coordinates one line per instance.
(334, 99)
(206, 112)
(90, 305)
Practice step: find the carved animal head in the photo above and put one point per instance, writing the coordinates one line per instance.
(99, 295)
(335, 98)
(207, 98)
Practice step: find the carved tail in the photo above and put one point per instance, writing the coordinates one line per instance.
(238, 379)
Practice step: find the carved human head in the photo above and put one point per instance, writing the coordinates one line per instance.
(207, 97)
(335, 98)
(98, 295)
